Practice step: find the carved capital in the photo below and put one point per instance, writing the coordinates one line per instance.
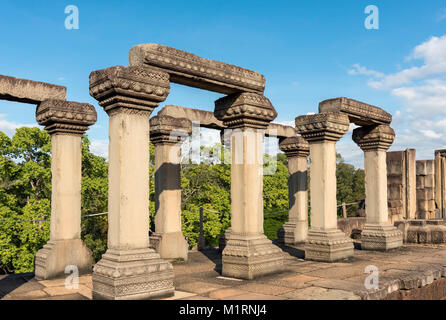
(374, 138)
(330, 126)
(245, 110)
(138, 87)
(60, 116)
(167, 129)
(295, 147)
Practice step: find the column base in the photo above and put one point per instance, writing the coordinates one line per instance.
(381, 238)
(328, 245)
(170, 245)
(250, 256)
(132, 275)
(56, 255)
(293, 233)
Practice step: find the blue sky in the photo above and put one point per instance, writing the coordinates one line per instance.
(308, 51)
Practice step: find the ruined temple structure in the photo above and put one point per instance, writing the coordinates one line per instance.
(374, 136)
(416, 196)
(136, 264)
(66, 122)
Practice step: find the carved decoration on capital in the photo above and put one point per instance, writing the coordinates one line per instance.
(61, 116)
(374, 138)
(167, 129)
(137, 87)
(295, 147)
(245, 110)
(330, 126)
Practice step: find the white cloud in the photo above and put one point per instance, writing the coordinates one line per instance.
(99, 148)
(9, 127)
(433, 54)
(420, 123)
(441, 15)
(360, 70)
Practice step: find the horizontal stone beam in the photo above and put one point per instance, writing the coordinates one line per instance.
(191, 70)
(360, 113)
(29, 91)
(208, 120)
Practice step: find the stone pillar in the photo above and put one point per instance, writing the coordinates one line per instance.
(440, 182)
(167, 134)
(66, 122)
(248, 252)
(129, 269)
(296, 229)
(377, 234)
(325, 242)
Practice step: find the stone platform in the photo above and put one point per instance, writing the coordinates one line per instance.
(409, 272)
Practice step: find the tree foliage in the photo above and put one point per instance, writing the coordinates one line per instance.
(25, 194)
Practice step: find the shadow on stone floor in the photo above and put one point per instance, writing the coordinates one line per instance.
(213, 255)
(11, 282)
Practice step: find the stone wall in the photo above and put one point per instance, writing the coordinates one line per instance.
(425, 189)
(401, 180)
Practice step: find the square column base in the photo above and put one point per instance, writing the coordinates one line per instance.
(250, 256)
(132, 275)
(328, 245)
(56, 255)
(381, 238)
(293, 233)
(170, 245)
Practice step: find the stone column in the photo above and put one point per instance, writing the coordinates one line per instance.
(325, 242)
(167, 134)
(66, 122)
(129, 269)
(248, 253)
(377, 234)
(440, 181)
(296, 229)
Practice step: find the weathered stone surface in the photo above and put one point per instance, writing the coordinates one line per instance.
(167, 129)
(423, 231)
(360, 113)
(378, 137)
(206, 119)
(295, 147)
(280, 131)
(245, 110)
(191, 70)
(65, 116)
(322, 126)
(56, 255)
(138, 87)
(28, 91)
(401, 184)
(132, 274)
(328, 245)
(380, 237)
(248, 257)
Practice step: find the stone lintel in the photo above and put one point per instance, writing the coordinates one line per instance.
(441, 153)
(65, 116)
(360, 113)
(139, 87)
(378, 137)
(322, 126)
(191, 70)
(167, 129)
(29, 91)
(295, 147)
(245, 110)
(206, 119)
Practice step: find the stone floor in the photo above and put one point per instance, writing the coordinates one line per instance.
(402, 270)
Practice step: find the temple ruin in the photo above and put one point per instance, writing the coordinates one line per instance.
(405, 198)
